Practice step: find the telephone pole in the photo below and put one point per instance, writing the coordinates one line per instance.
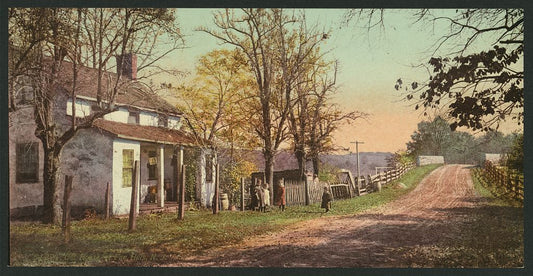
(358, 172)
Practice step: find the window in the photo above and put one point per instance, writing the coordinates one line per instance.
(152, 165)
(25, 96)
(27, 162)
(209, 168)
(133, 118)
(127, 167)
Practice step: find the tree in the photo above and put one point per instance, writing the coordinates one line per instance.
(42, 41)
(431, 138)
(436, 138)
(211, 102)
(495, 142)
(515, 158)
(479, 85)
(324, 117)
(480, 89)
(275, 48)
(215, 112)
(400, 158)
(462, 149)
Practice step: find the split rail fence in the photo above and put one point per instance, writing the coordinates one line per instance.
(511, 183)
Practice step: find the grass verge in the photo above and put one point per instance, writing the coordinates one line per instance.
(490, 234)
(161, 238)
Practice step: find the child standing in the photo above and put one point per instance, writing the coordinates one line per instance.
(326, 199)
(281, 194)
(260, 195)
(266, 197)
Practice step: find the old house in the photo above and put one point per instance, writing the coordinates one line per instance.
(143, 128)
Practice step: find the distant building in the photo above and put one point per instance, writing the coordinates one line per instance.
(429, 159)
(495, 158)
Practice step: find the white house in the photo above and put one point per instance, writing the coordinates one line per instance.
(143, 128)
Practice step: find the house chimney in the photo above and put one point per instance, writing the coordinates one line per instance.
(127, 65)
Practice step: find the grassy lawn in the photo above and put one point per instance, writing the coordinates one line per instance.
(162, 238)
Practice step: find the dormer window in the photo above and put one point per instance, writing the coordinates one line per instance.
(162, 120)
(133, 118)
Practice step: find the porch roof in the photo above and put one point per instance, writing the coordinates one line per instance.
(152, 134)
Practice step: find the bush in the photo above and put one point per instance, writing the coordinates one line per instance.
(515, 158)
(231, 178)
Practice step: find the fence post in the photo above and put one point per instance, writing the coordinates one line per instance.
(107, 200)
(306, 188)
(66, 208)
(132, 225)
(349, 189)
(181, 206)
(242, 193)
(215, 199)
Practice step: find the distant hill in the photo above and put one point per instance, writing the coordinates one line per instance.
(369, 161)
(285, 160)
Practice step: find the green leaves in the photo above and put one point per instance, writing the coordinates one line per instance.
(498, 70)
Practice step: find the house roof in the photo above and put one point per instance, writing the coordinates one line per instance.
(152, 134)
(130, 92)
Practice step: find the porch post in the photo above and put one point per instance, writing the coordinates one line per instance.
(161, 178)
(179, 163)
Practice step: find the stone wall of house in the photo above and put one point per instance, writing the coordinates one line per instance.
(429, 159)
(63, 121)
(22, 130)
(88, 157)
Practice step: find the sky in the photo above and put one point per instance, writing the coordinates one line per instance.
(370, 64)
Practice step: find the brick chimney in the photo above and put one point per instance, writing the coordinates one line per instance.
(127, 64)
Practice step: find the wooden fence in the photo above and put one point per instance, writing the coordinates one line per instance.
(511, 183)
(295, 192)
(370, 183)
(343, 188)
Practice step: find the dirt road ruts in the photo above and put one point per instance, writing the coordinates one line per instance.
(371, 239)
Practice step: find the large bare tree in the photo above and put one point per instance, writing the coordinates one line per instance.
(277, 46)
(44, 40)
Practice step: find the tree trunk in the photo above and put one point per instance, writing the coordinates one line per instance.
(316, 165)
(51, 203)
(269, 168)
(300, 157)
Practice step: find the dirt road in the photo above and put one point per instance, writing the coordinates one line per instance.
(378, 238)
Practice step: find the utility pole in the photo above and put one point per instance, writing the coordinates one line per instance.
(358, 172)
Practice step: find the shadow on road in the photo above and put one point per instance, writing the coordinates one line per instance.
(480, 236)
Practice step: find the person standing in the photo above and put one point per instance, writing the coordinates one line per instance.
(281, 194)
(266, 197)
(260, 196)
(326, 199)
